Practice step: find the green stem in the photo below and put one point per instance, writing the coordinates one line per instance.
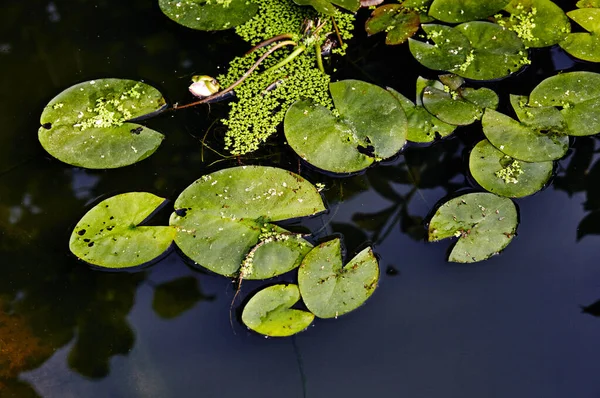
(319, 57)
(288, 59)
(265, 43)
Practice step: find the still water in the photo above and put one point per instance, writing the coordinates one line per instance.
(511, 326)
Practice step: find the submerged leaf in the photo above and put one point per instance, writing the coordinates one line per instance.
(109, 234)
(330, 289)
(456, 11)
(207, 14)
(483, 222)
(269, 312)
(89, 124)
(398, 22)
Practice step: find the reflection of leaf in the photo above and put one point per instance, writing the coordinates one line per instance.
(206, 15)
(574, 178)
(592, 309)
(413, 226)
(15, 388)
(590, 225)
(173, 298)
(374, 221)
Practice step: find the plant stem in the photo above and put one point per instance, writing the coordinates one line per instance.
(319, 57)
(337, 32)
(244, 76)
(284, 36)
(288, 59)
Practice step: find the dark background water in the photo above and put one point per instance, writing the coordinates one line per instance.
(511, 326)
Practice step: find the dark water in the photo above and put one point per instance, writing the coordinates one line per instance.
(508, 327)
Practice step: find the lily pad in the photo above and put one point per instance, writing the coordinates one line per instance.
(269, 312)
(460, 106)
(500, 174)
(484, 224)
(588, 4)
(371, 126)
(398, 22)
(330, 289)
(449, 51)
(209, 14)
(110, 235)
(422, 126)
(544, 118)
(457, 11)
(520, 141)
(224, 220)
(421, 7)
(539, 23)
(327, 6)
(89, 124)
(582, 45)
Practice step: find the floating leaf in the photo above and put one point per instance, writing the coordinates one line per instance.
(500, 174)
(371, 126)
(398, 22)
(109, 235)
(457, 11)
(87, 125)
(543, 118)
(582, 45)
(422, 125)
(522, 142)
(450, 50)
(269, 312)
(327, 6)
(207, 14)
(421, 7)
(173, 298)
(588, 4)
(484, 224)
(539, 23)
(223, 220)
(330, 290)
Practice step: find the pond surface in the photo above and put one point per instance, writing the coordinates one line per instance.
(511, 326)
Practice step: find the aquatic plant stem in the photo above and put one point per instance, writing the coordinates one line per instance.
(287, 59)
(244, 76)
(265, 43)
(319, 57)
(337, 32)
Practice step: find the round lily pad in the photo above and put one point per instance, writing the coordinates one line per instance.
(209, 14)
(459, 107)
(109, 235)
(484, 224)
(449, 51)
(397, 21)
(582, 45)
(89, 124)
(566, 89)
(583, 118)
(371, 126)
(520, 141)
(457, 11)
(545, 118)
(224, 220)
(500, 174)
(330, 289)
(269, 312)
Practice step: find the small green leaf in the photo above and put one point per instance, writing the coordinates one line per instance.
(209, 14)
(269, 312)
(224, 220)
(450, 49)
(483, 222)
(88, 124)
(588, 4)
(173, 298)
(582, 45)
(327, 6)
(109, 234)
(330, 290)
(520, 141)
(398, 22)
(500, 174)
(457, 11)
(371, 126)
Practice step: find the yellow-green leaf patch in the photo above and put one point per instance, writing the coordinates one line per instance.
(209, 14)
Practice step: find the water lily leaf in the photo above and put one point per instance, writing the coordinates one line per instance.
(483, 222)
(588, 4)
(500, 174)
(450, 50)
(459, 107)
(495, 52)
(422, 126)
(539, 23)
(520, 141)
(173, 298)
(208, 14)
(327, 6)
(397, 21)
(224, 220)
(109, 235)
(330, 290)
(457, 11)
(269, 312)
(582, 45)
(544, 118)
(371, 126)
(88, 124)
(583, 118)
(421, 7)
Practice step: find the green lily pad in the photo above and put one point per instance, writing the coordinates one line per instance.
(88, 124)
(269, 312)
(484, 224)
(500, 174)
(371, 126)
(583, 118)
(588, 4)
(544, 118)
(398, 22)
(209, 14)
(109, 235)
(457, 11)
(539, 23)
(327, 6)
(422, 126)
(421, 7)
(582, 45)
(520, 141)
(495, 52)
(224, 220)
(330, 290)
(449, 51)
